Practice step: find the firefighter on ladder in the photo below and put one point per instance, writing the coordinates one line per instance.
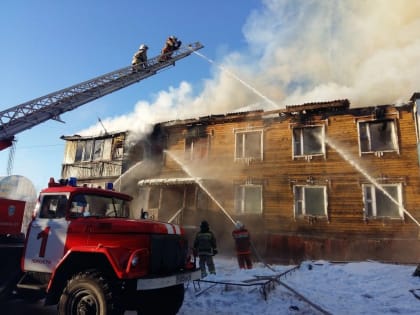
(140, 58)
(172, 43)
(242, 245)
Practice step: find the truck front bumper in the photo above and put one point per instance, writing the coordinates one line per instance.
(163, 282)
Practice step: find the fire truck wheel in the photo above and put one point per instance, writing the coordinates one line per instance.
(150, 301)
(88, 293)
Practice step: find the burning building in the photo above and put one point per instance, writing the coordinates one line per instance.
(313, 181)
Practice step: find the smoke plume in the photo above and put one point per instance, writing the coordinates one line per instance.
(301, 51)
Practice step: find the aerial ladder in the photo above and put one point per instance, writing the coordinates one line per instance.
(39, 110)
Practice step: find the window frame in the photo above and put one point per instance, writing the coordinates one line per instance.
(97, 205)
(365, 137)
(53, 206)
(301, 141)
(243, 144)
(98, 149)
(240, 201)
(192, 144)
(90, 150)
(370, 203)
(299, 205)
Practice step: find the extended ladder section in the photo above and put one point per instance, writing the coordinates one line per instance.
(32, 113)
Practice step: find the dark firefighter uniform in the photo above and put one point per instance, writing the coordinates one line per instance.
(205, 247)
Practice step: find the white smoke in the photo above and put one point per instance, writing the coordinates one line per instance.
(302, 51)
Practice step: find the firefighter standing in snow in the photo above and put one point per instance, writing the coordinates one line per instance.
(243, 245)
(205, 247)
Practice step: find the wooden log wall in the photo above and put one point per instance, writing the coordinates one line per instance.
(278, 171)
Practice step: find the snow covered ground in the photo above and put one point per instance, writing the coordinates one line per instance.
(347, 288)
(368, 288)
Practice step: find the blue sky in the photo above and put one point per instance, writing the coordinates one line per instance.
(49, 45)
(265, 53)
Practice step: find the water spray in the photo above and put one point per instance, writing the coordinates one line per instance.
(199, 183)
(238, 79)
(369, 178)
(328, 141)
(118, 181)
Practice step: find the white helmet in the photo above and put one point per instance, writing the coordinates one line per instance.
(239, 225)
(143, 46)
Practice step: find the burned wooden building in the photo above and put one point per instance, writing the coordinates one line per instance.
(94, 160)
(110, 157)
(313, 181)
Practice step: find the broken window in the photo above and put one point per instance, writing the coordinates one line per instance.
(118, 147)
(310, 200)
(87, 154)
(378, 136)
(98, 149)
(196, 148)
(248, 199)
(84, 151)
(107, 147)
(307, 141)
(383, 201)
(88, 150)
(79, 151)
(248, 145)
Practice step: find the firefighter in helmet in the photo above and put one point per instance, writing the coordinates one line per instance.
(172, 43)
(140, 58)
(205, 247)
(242, 245)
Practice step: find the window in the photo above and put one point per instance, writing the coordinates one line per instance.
(248, 199)
(196, 148)
(378, 136)
(89, 150)
(99, 206)
(117, 150)
(79, 151)
(384, 201)
(84, 151)
(87, 154)
(98, 149)
(307, 141)
(53, 206)
(310, 201)
(248, 145)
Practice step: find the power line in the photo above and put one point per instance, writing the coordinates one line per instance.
(40, 146)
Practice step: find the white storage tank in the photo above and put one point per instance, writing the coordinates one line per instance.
(16, 187)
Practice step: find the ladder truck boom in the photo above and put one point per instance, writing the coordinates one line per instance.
(39, 110)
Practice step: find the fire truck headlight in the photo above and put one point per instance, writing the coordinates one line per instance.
(135, 261)
(137, 264)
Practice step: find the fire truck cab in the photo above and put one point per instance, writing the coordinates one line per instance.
(84, 253)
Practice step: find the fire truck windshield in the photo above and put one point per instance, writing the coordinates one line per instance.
(85, 205)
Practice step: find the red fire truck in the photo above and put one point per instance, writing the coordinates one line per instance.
(83, 253)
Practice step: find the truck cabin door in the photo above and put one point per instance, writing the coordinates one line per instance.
(47, 234)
